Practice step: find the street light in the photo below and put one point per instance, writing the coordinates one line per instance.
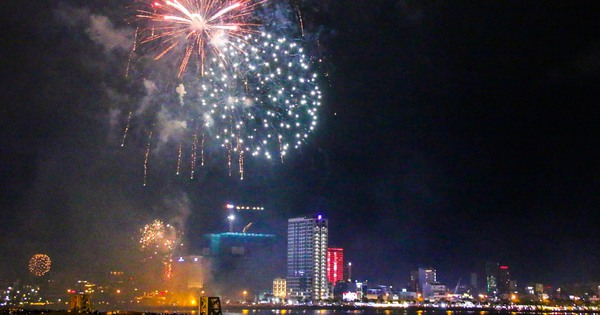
(244, 293)
(350, 272)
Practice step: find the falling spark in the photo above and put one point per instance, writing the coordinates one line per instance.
(133, 48)
(168, 269)
(241, 158)
(179, 158)
(229, 159)
(299, 13)
(202, 150)
(147, 157)
(126, 131)
(281, 152)
(194, 153)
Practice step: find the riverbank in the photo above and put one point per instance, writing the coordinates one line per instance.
(264, 309)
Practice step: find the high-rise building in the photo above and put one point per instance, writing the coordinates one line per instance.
(237, 261)
(427, 276)
(539, 288)
(513, 286)
(307, 258)
(503, 283)
(335, 265)
(491, 277)
(413, 281)
(474, 285)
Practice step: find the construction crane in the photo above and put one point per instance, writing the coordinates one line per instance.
(246, 227)
(457, 285)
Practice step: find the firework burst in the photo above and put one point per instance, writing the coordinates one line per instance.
(39, 264)
(192, 26)
(159, 238)
(257, 95)
(262, 104)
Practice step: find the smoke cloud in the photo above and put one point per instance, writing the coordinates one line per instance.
(180, 90)
(99, 28)
(102, 31)
(169, 128)
(151, 90)
(180, 206)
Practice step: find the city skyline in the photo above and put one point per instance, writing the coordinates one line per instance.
(490, 278)
(235, 263)
(449, 135)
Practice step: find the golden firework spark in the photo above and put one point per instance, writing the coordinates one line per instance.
(158, 237)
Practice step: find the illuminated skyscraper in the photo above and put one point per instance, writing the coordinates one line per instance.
(307, 258)
(427, 277)
(491, 277)
(335, 265)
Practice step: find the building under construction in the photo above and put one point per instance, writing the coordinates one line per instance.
(239, 262)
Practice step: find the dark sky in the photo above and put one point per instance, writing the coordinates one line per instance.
(451, 133)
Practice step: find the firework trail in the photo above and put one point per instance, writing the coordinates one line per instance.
(146, 158)
(132, 52)
(280, 148)
(126, 131)
(179, 158)
(202, 150)
(229, 159)
(169, 269)
(240, 150)
(194, 153)
(299, 14)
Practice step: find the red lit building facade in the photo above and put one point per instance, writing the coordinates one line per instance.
(335, 265)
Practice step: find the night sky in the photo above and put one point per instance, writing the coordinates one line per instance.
(452, 133)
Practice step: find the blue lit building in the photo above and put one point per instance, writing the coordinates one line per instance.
(240, 262)
(307, 258)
